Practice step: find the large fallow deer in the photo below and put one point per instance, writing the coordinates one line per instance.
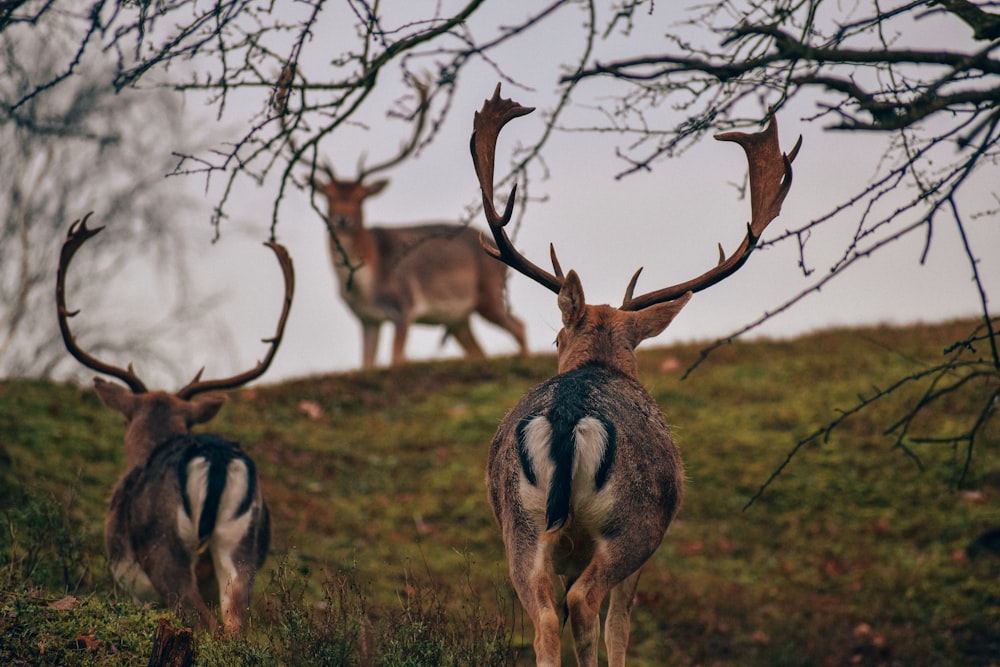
(583, 476)
(433, 273)
(187, 521)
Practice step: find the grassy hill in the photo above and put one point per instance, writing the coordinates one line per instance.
(384, 551)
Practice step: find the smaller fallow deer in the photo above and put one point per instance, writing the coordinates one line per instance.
(583, 476)
(432, 273)
(187, 520)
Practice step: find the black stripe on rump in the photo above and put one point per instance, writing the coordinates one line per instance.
(218, 452)
(569, 399)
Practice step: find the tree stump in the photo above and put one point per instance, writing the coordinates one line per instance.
(171, 646)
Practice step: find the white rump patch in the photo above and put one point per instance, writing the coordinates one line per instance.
(197, 489)
(588, 505)
(229, 528)
(537, 440)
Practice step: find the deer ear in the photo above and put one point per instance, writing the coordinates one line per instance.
(651, 322)
(204, 408)
(571, 300)
(376, 187)
(115, 396)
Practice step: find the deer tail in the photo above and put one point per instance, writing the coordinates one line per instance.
(213, 455)
(563, 453)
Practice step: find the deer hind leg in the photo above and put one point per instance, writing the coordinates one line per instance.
(232, 549)
(534, 582)
(463, 334)
(616, 625)
(177, 583)
(498, 314)
(234, 598)
(584, 598)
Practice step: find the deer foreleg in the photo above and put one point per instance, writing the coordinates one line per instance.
(369, 343)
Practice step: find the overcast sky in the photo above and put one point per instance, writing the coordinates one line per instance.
(668, 221)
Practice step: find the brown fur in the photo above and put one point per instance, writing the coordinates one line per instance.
(594, 552)
(428, 274)
(188, 512)
(583, 476)
(148, 554)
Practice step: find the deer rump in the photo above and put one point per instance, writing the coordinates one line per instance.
(590, 463)
(196, 503)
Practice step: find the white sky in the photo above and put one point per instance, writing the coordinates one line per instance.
(668, 221)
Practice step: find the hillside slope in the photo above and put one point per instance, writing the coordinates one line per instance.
(862, 551)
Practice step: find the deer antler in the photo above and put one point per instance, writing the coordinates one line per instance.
(423, 94)
(197, 386)
(770, 180)
(486, 126)
(76, 237)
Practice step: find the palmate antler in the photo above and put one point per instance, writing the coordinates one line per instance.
(770, 181)
(76, 237)
(486, 126)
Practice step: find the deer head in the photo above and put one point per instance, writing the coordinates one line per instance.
(583, 475)
(346, 197)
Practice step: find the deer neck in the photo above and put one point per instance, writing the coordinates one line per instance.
(604, 337)
(357, 263)
(157, 418)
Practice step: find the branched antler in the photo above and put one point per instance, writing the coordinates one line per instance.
(486, 124)
(76, 237)
(770, 181)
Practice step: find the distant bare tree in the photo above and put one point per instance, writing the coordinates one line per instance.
(68, 149)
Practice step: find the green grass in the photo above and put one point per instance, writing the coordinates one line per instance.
(384, 550)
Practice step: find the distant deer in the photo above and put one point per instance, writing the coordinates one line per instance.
(583, 475)
(189, 506)
(432, 273)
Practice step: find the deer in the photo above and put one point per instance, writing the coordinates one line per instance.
(583, 476)
(187, 520)
(431, 273)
